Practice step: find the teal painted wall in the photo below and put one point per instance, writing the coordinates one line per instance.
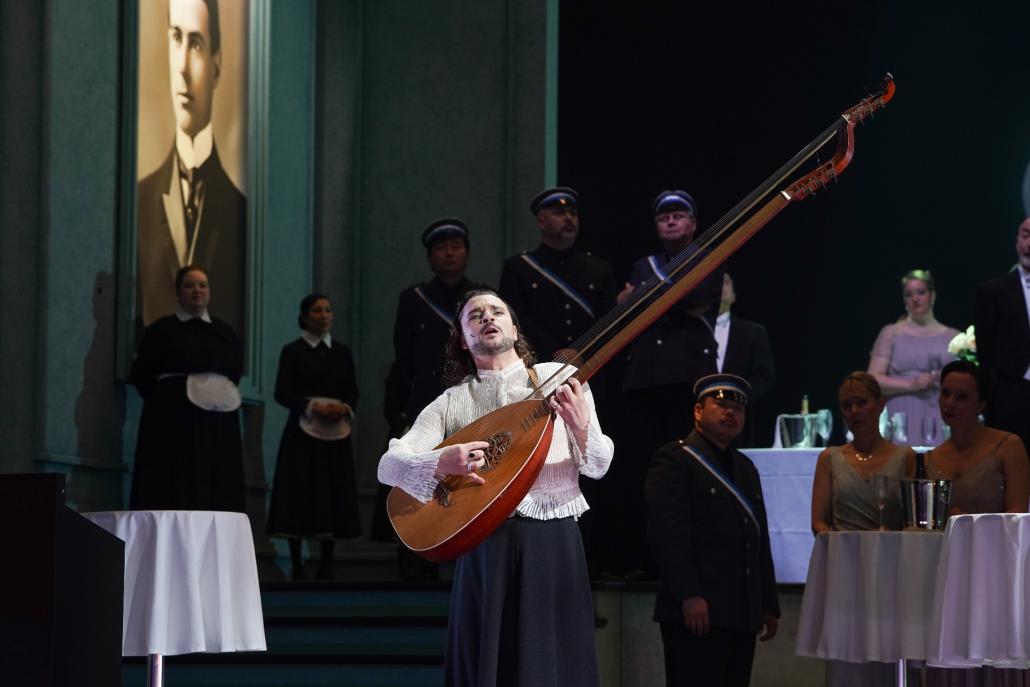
(426, 109)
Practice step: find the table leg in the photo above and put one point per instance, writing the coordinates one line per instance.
(901, 676)
(155, 670)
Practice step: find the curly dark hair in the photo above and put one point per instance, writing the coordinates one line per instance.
(459, 363)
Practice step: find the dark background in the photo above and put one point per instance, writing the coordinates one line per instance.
(713, 98)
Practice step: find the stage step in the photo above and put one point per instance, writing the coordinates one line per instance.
(389, 634)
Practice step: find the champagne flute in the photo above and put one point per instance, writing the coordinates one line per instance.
(930, 429)
(880, 488)
(824, 425)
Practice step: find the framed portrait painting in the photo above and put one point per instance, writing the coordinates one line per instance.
(186, 136)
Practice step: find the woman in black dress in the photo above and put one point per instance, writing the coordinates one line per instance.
(188, 452)
(314, 492)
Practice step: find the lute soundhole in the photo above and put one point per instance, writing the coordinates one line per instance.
(499, 443)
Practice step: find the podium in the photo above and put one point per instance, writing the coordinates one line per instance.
(60, 590)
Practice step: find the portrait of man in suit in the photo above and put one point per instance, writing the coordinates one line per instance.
(189, 210)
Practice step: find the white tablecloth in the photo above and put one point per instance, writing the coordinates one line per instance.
(981, 611)
(191, 582)
(869, 595)
(787, 475)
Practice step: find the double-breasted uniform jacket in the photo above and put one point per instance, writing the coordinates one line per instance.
(220, 246)
(551, 319)
(705, 542)
(679, 348)
(420, 333)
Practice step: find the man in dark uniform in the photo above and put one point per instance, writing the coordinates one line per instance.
(665, 361)
(558, 291)
(744, 350)
(420, 331)
(707, 529)
(423, 323)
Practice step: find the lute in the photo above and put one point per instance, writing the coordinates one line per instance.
(462, 514)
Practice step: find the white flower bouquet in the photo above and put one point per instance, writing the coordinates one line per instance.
(963, 345)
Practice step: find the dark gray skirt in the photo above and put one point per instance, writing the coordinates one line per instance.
(521, 610)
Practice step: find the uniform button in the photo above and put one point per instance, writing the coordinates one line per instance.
(713, 490)
(747, 545)
(534, 285)
(747, 571)
(568, 338)
(567, 306)
(745, 521)
(659, 342)
(707, 351)
(568, 321)
(590, 286)
(422, 326)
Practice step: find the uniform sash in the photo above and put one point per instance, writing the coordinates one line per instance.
(557, 281)
(440, 312)
(725, 481)
(652, 260)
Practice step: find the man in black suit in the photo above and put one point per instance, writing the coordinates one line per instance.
(189, 211)
(1002, 319)
(707, 529)
(744, 350)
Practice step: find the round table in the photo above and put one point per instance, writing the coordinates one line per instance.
(191, 584)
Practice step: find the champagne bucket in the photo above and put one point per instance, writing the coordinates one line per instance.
(798, 431)
(926, 503)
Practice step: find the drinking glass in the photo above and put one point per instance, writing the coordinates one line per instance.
(899, 427)
(930, 430)
(881, 485)
(885, 425)
(824, 425)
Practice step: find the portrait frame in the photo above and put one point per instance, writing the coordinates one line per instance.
(246, 35)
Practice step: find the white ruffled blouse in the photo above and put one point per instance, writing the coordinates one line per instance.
(409, 462)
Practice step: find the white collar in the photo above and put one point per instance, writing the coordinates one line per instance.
(195, 152)
(186, 317)
(517, 365)
(1024, 276)
(313, 340)
(723, 320)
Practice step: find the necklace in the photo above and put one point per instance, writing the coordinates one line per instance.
(862, 458)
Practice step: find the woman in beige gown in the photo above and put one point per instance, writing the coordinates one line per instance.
(989, 473)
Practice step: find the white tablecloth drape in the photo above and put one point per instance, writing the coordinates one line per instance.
(868, 596)
(981, 610)
(191, 582)
(787, 475)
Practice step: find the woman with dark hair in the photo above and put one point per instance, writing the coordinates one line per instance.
(844, 495)
(989, 473)
(907, 357)
(188, 453)
(521, 611)
(314, 493)
(987, 467)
